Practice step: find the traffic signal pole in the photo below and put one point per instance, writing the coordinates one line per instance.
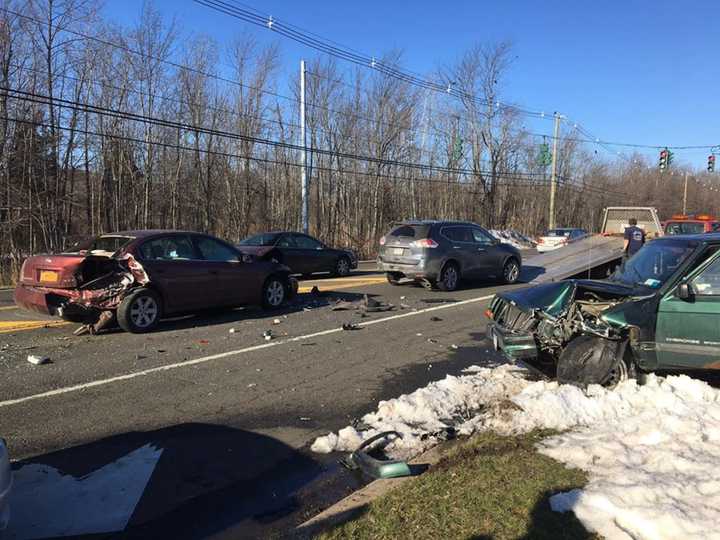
(553, 178)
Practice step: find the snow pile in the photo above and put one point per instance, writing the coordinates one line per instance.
(514, 238)
(422, 416)
(651, 452)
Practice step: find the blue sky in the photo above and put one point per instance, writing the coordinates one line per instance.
(630, 71)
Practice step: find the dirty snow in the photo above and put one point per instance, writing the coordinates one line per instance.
(651, 451)
(513, 238)
(422, 416)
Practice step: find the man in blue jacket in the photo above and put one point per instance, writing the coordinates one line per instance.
(634, 238)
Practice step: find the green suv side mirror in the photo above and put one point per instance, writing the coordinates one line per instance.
(684, 291)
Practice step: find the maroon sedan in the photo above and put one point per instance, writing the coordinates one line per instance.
(137, 277)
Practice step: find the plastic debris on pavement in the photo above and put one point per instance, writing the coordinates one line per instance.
(361, 459)
(38, 360)
(268, 335)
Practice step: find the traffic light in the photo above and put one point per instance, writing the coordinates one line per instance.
(711, 163)
(663, 159)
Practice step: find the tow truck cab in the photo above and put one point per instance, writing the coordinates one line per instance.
(682, 224)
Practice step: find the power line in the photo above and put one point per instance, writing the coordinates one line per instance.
(518, 182)
(125, 115)
(349, 55)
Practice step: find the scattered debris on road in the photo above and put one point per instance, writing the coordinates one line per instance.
(268, 335)
(343, 305)
(38, 360)
(371, 305)
(276, 321)
(232, 331)
(351, 326)
(435, 319)
(252, 385)
(305, 418)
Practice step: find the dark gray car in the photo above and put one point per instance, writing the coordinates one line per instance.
(441, 253)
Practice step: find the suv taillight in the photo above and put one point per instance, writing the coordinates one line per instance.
(382, 241)
(425, 243)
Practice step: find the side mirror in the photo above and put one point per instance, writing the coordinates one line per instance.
(684, 291)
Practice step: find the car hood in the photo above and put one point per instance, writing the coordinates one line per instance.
(552, 298)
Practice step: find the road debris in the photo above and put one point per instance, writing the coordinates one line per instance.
(372, 306)
(268, 335)
(374, 467)
(453, 346)
(232, 331)
(315, 290)
(252, 385)
(305, 418)
(435, 319)
(432, 340)
(276, 321)
(351, 326)
(343, 305)
(38, 360)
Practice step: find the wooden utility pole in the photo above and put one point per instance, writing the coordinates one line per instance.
(553, 178)
(685, 195)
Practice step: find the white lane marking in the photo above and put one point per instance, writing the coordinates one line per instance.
(47, 503)
(204, 359)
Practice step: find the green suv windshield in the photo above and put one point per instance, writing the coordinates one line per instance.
(655, 263)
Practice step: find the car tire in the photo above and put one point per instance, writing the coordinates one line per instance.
(511, 271)
(593, 360)
(393, 278)
(274, 292)
(342, 267)
(449, 277)
(140, 311)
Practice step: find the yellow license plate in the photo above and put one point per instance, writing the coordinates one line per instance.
(48, 276)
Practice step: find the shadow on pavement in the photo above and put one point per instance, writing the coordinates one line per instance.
(186, 481)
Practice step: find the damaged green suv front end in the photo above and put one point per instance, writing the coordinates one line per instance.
(654, 313)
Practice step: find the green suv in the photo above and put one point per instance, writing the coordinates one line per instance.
(659, 311)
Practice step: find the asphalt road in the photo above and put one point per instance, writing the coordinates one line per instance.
(218, 419)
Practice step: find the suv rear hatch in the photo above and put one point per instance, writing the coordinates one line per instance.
(400, 244)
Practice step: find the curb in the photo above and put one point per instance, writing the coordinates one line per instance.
(352, 505)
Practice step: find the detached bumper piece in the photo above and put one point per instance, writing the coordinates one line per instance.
(376, 468)
(514, 345)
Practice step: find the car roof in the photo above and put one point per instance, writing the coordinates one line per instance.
(432, 222)
(144, 233)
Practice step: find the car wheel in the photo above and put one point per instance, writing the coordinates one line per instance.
(511, 271)
(592, 360)
(393, 278)
(449, 277)
(274, 293)
(342, 267)
(140, 311)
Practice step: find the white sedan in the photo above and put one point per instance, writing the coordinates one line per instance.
(5, 485)
(557, 238)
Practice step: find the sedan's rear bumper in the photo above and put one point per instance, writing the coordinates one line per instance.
(33, 299)
(541, 248)
(514, 345)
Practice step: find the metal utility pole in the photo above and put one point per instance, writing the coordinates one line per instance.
(303, 155)
(685, 195)
(553, 179)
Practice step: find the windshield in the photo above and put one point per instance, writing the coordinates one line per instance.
(654, 263)
(686, 227)
(263, 239)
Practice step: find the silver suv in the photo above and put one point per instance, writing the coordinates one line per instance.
(441, 253)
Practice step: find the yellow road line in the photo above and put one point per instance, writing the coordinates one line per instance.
(346, 284)
(7, 308)
(7, 327)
